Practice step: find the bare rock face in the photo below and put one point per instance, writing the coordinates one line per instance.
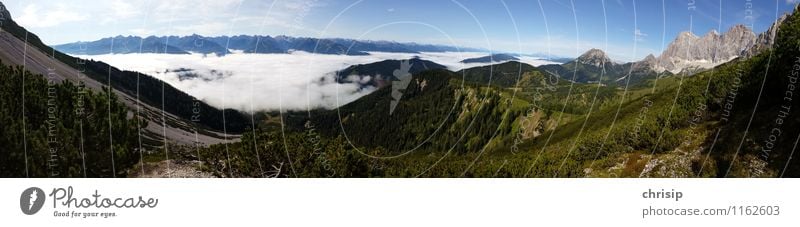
(595, 57)
(766, 39)
(735, 42)
(649, 63)
(678, 49)
(689, 50)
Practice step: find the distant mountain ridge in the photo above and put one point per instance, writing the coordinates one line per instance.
(507, 74)
(380, 74)
(491, 58)
(594, 66)
(245, 43)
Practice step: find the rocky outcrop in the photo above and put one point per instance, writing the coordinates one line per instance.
(649, 63)
(689, 50)
(766, 39)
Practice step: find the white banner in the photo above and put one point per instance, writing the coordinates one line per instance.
(399, 202)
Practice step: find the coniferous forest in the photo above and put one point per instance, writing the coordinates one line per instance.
(55, 129)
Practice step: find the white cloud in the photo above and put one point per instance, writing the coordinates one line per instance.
(228, 17)
(35, 17)
(193, 10)
(270, 81)
(120, 10)
(639, 35)
(792, 1)
(289, 16)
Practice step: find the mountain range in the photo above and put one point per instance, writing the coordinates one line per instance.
(244, 43)
(688, 53)
(491, 58)
(595, 66)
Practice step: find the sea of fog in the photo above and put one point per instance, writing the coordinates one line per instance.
(255, 82)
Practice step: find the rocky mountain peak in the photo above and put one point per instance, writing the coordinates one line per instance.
(690, 51)
(713, 33)
(649, 63)
(766, 39)
(739, 28)
(649, 58)
(686, 35)
(594, 57)
(740, 33)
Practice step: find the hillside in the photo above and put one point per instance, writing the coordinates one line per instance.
(438, 112)
(504, 75)
(379, 74)
(134, 96)
(130, 85)
(442, 116)
(63, 129)
(716, 123)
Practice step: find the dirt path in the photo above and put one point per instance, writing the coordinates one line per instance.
(168, 169)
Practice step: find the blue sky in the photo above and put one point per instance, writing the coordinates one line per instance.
(626, 29)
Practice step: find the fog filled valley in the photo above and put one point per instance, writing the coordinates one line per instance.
(261, 81)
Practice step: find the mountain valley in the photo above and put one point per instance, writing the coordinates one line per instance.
(688, 112)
